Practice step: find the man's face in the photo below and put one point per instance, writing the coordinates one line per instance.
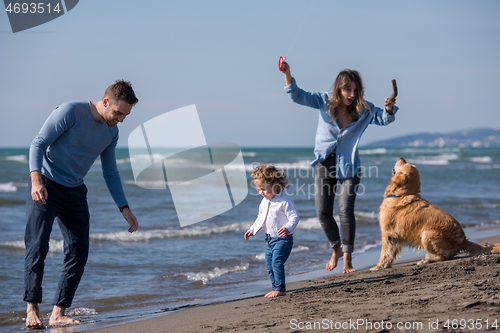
(115, 111)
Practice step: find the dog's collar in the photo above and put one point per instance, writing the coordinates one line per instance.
(393, 196)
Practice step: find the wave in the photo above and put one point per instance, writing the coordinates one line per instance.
(443, 159)
(483, 159)
(373, 151)
(312, 223)
(205, 276)
(430, 150)
(54, 245)
(300, 165)
(146, 236)
(146, 160)
(488, 166)
(300, 248)
(81, 312)
(122, 161)
(367, 247)
(480, 206)
(304, 164)
(17, 158)
(372, 216)
(156, 184)
(8, 187)
(261, 256)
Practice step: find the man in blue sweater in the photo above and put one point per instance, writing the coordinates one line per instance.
(71, 139)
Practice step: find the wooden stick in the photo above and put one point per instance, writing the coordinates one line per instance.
(394, 94)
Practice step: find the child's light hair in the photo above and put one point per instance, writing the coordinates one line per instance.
(271, 175)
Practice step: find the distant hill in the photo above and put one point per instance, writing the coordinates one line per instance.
(478, 137)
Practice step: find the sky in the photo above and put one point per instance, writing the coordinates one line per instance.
(223, 56)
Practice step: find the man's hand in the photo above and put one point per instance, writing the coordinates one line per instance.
(132, 221)
(38, 191)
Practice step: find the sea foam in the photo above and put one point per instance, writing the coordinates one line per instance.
(145, 236)
(373, 151)
(483, 159)
(205, 276)
(54, 245)
(443, 159)
(17, 158)
(8, 187)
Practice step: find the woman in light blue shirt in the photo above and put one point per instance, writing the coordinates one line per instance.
(343, 117)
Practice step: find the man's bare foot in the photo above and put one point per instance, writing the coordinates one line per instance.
(336, 254)
(348, 263)
(59, 318)
(33, 316)
(275, 293)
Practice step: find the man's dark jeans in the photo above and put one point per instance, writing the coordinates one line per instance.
(70, 206)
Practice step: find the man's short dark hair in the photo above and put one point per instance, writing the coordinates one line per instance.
(121, 90)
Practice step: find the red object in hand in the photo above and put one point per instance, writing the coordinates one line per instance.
(280, 62)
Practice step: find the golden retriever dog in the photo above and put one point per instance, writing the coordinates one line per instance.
(408, 220)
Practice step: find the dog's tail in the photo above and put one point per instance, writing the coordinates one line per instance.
(495, 248)
(476, 249)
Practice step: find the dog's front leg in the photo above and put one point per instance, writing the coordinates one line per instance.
(390, 249)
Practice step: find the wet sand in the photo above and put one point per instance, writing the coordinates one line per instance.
(460, 295)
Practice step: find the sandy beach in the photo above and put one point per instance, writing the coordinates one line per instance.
(460, 295)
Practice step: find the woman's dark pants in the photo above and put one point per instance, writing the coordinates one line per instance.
(326, 185)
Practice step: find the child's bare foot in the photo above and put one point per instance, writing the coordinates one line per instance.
(59, 318)
(33, 316)
(275, 293)
(336, 254)
(348, 263)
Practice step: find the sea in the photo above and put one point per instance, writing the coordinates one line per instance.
(164, 267)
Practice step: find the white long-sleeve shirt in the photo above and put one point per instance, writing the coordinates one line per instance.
(275, 214)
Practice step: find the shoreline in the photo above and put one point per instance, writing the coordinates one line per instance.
(255, 313)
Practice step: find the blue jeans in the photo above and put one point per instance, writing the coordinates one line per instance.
(326, 185)
(277, 251)
(69, 205)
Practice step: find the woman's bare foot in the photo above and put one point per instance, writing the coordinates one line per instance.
(336, 254)
(348, 263)
(33, 316)
(59, 318)
(275, 293)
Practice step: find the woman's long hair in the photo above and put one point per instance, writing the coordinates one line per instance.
(343, 81)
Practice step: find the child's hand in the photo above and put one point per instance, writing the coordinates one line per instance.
(283, 232)
(248, 234)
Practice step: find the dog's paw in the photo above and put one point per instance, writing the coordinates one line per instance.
(375, 268)
(423, 262)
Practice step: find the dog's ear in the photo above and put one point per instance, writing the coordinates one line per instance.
(397, 184)
(413, 180)
(406, 181)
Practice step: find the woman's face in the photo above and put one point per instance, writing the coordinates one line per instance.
(348, 95)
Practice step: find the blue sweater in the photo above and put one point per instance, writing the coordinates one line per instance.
(68, 144)
(329, 134)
